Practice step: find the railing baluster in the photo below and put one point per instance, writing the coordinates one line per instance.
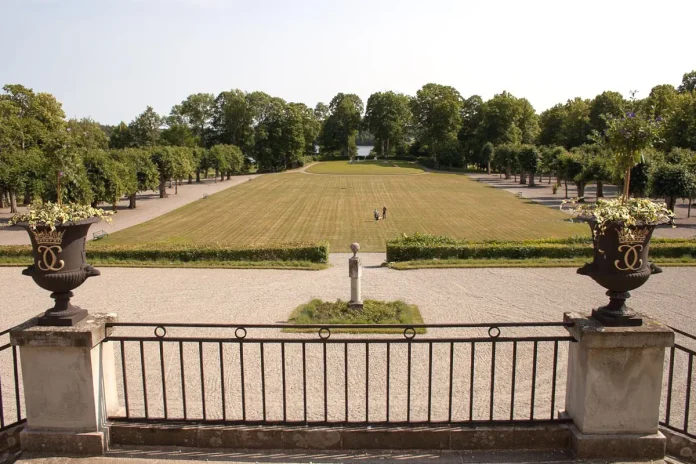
(164, 382)
(668, 408)
(471, 381)
(304, 378)
(241, 373)
(430, 381)
(553, 379)
(200, 356)
(687, 403)
(408, 383)
(345, 373)
(142, 363)
(490, 413)
(388, 376)
(125, 380)
(534, 372)
(183, 381)
(263, 384)
(222, 382)
(367, 382)
(451, 380)
(326, 401)
(2, 410)
(282, 368)
(514, 374)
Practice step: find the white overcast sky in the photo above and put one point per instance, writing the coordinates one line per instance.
(110, 59)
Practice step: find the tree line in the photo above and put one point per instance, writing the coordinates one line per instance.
(236, 131)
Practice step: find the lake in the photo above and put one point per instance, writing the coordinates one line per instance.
(364, 150)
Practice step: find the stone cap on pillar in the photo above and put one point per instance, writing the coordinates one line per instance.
(87, 333)
(587, 330)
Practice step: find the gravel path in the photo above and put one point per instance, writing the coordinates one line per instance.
(267, 296)
(149, 206)
(686, 226)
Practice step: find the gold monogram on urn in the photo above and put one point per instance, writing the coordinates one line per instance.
(48, 247)
(631, 243)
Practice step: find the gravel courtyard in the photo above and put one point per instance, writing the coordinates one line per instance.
(268, 296)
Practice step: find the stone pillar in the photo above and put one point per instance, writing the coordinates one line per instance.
(355, 273)
(69, 383)
(614, 388)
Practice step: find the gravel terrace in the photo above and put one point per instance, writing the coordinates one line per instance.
(267, 296)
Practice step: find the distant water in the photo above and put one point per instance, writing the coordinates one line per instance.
(364, 150)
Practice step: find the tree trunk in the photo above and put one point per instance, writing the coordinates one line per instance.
(93, 204)
(489, 168)
(170, 183)
(581, 191)
(229, 173)
(216, 175)
(515, 174)
(198, 175)
(531, 180)
(671, 203)
(550, 174)
(689, 214)
(2, 199)
(523, 178)
(27, 196)
(222, 176)
(114, 205)
(566, 188)
(190, 181)
(507, 172)
(627, 184)
(387, 147)
(383, 152)
(163, 187)
(13, 202)
(600, 189)
(131, 204)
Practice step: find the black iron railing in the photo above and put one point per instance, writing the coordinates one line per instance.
(677, 408)
(216, 373)
(10, 386)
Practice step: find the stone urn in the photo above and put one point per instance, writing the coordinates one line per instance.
(620, 265)
(60, 267)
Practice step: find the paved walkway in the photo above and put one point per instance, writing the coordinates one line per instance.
(543, 193)
(149, 206)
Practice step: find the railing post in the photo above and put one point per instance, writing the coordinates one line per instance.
(614, 388)
(69, 382)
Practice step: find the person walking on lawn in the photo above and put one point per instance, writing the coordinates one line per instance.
(376, 215)
(384, 212)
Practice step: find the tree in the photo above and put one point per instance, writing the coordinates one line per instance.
(672, 181)
(577, 126)
(109, 178)
(605, 104)
(505, 158)
(680, 127)
(86, 133)
(163, 159)
(225, 159)
(688, 83)
(321, 112)
(341, 126)
(528, 159)
(145, 130)
(469, 135)
(551, 125)
(179, 135)
(597, 165)
(662, 100)
(387, 117)
(550, 164)
(120, 137)
(195, 113)
(487, 155)
(311, 126)
(142, 173)
(437, 116)
(573, 170)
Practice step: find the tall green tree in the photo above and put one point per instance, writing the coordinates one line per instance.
(340, 128)
(662, 100)
(470, 138)
(141, 168)
(688, 83)
(120, 137)
(388, 117)
(605, 104)
(87, 133)
(232, 121)
(145, 130)
(437, 117)
(195, 113)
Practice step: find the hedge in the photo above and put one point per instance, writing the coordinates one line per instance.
(425, 247)
(316, 253)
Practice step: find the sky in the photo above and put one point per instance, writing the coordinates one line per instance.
(108, 60)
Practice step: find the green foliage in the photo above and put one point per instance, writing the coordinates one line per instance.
(627, 212)
(86, 133)
(506, 119)
(387, 117)
(52, 214)
(437, 118)
(339, 312)
(528, 159)
(427, 247)
(144, 131)
(688, 83)
(340, 128)
(109, 178)
(672, 181)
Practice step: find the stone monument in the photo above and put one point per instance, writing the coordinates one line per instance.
(355, 273)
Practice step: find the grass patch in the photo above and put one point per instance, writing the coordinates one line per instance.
(686, 261)
(106, 262)
(373, 312)
(369, 168)
(296, 207)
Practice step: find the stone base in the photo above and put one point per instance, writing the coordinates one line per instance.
(609, 320)
(62, 320)
(537, 438)
(643, 447)
(355, 305)
(63, 443)
(680, 446)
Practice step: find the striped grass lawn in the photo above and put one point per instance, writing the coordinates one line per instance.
(369, 167)
(298, 207)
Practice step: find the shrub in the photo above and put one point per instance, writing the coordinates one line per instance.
(433, 247)
(316, 253)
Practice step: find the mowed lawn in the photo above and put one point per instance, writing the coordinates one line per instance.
(370, 167)
(297, 207)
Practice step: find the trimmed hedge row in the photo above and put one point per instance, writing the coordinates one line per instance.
(316, 253)
(397, 250)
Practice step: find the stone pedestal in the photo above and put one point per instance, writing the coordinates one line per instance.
(355, 273)
(614, 388)
(69, 383)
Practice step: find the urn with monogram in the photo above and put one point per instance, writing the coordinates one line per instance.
(60, 267)
(620, 265)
